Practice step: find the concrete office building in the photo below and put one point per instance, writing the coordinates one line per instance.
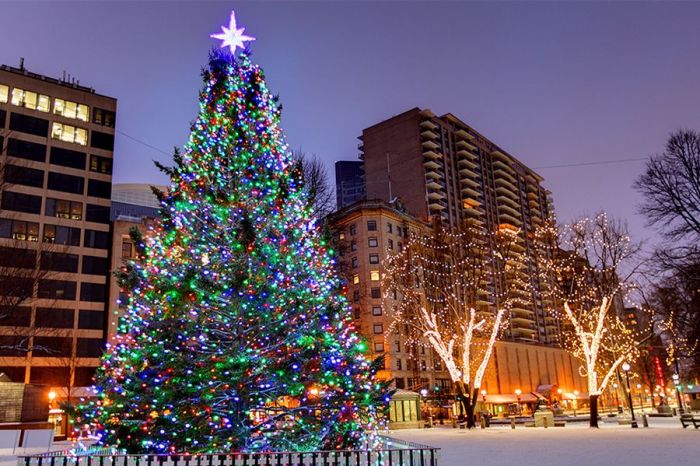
(438, 166)
(57, 141)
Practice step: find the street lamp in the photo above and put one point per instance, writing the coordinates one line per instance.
(519, 392)
(626, 369)
(676, 383)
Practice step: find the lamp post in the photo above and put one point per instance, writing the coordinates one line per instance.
(676, 384)
(626, 369)
(519, 392)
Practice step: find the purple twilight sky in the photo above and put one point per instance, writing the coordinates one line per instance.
(553, 83)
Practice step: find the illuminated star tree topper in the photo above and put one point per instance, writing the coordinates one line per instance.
(232, 36)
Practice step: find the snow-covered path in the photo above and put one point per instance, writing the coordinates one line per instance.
(664, 443)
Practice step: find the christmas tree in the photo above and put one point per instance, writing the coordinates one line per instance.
(236, 335)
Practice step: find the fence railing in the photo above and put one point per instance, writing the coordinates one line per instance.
(393, 453)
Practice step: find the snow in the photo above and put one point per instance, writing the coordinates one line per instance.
(664, 442)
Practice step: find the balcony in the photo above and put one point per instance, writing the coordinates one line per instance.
(465, 162)
(430, 183)
(431, 165)
(469, 192)
(471, 182)
(497, 154)
(431, 154)
(503, 190)
(503, 166)
(462, 144)
(435, 195)
(507, 209)
(429, 134)
(507, 218)
(429, 145)
(427, 124)
(507, 200)
(461, 132)
(435, 205)
(507, 177)
(433, 174)
(466, 153)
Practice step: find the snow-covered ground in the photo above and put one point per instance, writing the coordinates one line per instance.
(663, 443)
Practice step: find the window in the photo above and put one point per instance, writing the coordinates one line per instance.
(378, 329)
(89, 347)
(53, 347)
(63, 209)
(97, 213)
(59, 262)
(376, 293)
(54, 318)
(95, 265)
(21, 202)
(376, 310)
(127, 249)
(378, 347)
(96, 239)
(68, 133)
(51, 375)
(423, 366)
(390, 244)
(94, 292)
(357, 313)
(356, 279)
(30, 100)
(353, 245)
(405, 232)
(68, 158)
(26, 150)
(66, 183)
(99, 188)
(3, 116)
(356, 296)
(19, 230)
(4, 93)
(374, 275)
(374, 258)
(400, 384)
(70, 109)
(57, 289)
(16, 316)
(397, 343)
(103, 117)
(61, 235)
(15, 257)
(103, 141)
(93, 320)
(353, 230)
(101, 164)
(400, 246)
(353, 261)
(398, 230)
(372, 242)
(29, 124)
(398, 365)
(389, 228)
(371, 225)
(24, 176)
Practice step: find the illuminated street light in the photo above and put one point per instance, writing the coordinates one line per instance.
(626, 369)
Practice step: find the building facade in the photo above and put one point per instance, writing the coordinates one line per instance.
(349, 182)
(57, 141)
(369, 231)
(438, 166)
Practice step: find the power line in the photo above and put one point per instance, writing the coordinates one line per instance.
(143, 143)
(585, 164)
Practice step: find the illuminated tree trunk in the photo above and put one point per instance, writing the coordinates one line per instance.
(594, 410)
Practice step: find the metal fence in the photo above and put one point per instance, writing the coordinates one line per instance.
(393, 453)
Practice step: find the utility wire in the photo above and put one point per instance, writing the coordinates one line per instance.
(584, 164)
(143, 143)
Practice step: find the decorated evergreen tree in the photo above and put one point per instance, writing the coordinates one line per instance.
(236, 335)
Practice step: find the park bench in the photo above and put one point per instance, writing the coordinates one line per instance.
(687, 419)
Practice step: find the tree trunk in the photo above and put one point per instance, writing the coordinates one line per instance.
(594, 410)
(471, 405)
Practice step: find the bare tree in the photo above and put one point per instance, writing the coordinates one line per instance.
(592, 272)
(671, 187)
(315, 178)
(443, 281)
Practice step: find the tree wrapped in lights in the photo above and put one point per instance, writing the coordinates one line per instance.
(442, 279)
(236, 335)
(588, 264)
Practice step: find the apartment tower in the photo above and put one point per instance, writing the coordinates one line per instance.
(57, 143)
(438, 166)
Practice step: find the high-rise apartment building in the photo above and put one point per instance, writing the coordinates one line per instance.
(349, 182)
(438, 166)
(57, 143)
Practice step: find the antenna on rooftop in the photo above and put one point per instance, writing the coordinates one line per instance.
(21, 63)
